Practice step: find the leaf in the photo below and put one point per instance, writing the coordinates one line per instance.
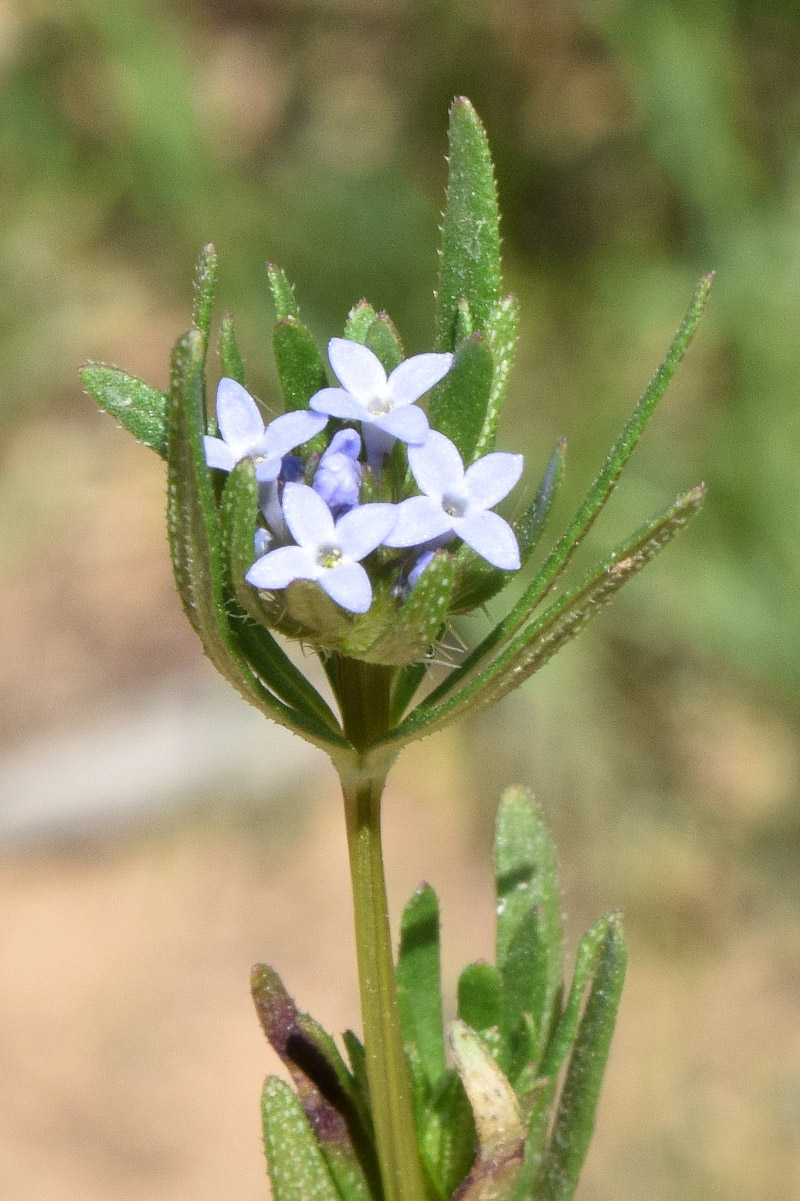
(529, 928)
(536, 643)
(195, 544)
(205, 280)
(230, 356)
(529, 526)
(419, 620)
(501, 334)
(359, 320)
(297, 1169)
(326, 1090)
(384, 341)
(586, 962)
(577, 1104)
(480, 997)
(140, 408)
(457, 405)
(498, 1121)
(358, 1063)
(282, 293)
(301, 371)
(419, 985)
(407, 681)
(470, 264)
(448, 1142)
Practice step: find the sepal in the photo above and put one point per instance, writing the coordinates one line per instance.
(140, 408)
(282, 290)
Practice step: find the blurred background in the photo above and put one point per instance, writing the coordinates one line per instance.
(156, 837)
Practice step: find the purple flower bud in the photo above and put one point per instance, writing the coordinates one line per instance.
(338, 476)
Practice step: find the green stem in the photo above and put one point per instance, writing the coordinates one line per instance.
(389, 1087)
(364, 692)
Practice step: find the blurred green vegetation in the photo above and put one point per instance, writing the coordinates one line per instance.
(638, 144)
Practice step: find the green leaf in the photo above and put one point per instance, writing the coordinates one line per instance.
(470, 265)
(480, 997)
(529, 526)
(140, 408)
(230, 356)
(598, 495)
(282, 293)
(457, 405)
(237, 522)
(536, 643)
(384, 341)
(326, 1090)
(301, 371)
(297, 1169)
(196, 548)
(498, 1120)
(205, 281)
(577, 1104)
(566, 1029)
(419, 620)
(419, 986)
(464, 323)
(449, 1142)
(529, 927)
(501, 334)
(358, 1063)
(407, 681)
(359, 320)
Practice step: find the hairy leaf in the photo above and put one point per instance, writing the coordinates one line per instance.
(141, 409)
(419, 986)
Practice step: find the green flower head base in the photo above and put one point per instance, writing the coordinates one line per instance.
(360, 523)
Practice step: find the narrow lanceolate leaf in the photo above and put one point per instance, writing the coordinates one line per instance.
(205, 281)
(384, 341)
(529, 525)
(406, 683)
(419, 985)
(448, 1143)
(598, 494)
(229, 353)
(137, 406)
(480, 997)
(529, 928)
(301, 371)
(297, 1168)
(501, 333)
(470, 265)
(577, 1104)
(457, 405)
(537, 642)
(195, 542)
(359, 320)
(237, 523)
(420, 618)
(498, 1120)
(586, 962)
(326, 1090)
(282, 293)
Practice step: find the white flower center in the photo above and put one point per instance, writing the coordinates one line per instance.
(329, 555)
(379, 404)
(454, 505)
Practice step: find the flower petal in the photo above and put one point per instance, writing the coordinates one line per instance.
(348, 584)
(491, 478)
(268, 470)
(357, 368)
(290, 430)
(436, 466)
(346, 442)
(280, 567)
(416, 376)
(419, 519)
(239, 418)
(362, 529)
(219, 454)
(307, 516)
(336, 402)
(409, 424)
(490, 537)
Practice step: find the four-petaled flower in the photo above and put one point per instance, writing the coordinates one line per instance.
(458, 502)
(326, 551)
(244, 435)
(385, 407)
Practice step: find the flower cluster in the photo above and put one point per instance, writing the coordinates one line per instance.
(324, 514)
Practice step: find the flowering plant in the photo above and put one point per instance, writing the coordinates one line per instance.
(360, 525)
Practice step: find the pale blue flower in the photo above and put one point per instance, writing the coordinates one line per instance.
(385, 407)
(244, 435)
(338, 475)
(326, 551)
(458, 502)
